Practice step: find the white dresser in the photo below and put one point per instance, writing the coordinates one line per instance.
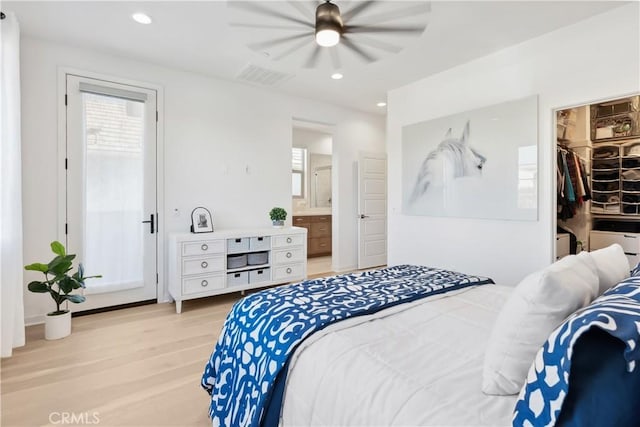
(234, 260)
(630, 243)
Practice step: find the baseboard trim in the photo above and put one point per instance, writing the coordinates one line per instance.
(114, 307)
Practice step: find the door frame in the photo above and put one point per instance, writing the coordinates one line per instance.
(161, 290)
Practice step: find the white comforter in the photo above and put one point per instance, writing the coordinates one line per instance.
(414, 364)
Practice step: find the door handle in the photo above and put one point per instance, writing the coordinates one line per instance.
(151, 222)
(363, 216)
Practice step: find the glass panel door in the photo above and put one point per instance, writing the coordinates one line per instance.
(111, 189)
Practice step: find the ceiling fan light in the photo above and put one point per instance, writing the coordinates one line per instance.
(328, 24)
(327, 38)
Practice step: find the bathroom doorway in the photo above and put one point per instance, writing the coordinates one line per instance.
(312, 191)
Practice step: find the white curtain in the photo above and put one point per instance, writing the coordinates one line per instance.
(11, 284)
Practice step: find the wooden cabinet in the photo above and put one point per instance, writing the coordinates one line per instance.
(202, 265)
(318, 233)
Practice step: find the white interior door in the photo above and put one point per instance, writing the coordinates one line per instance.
(111, 213)
(372, 208)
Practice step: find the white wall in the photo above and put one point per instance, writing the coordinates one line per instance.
(591, 60)
(213, 131)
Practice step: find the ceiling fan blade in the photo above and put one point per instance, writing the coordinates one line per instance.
(378, 29)
(335, 58)
(275, 42)
(357, 10)
(378, 44)
(289, 51)
(306, 12)
(364, 55)
(419, 9)
(255, 7)
(313, 58)
(266, 27)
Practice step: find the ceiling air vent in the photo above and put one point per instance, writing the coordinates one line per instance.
(261, 76)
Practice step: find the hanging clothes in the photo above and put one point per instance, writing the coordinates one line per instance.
(573, 184)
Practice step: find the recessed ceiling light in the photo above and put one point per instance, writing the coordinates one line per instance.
(336, 76)
(381, 104)
(141, 18)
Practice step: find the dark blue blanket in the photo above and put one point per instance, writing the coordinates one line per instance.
(246, 372)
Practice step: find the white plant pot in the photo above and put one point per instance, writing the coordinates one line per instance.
(277, 223)
(57, 326)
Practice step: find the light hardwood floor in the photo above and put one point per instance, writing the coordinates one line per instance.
(139, 366)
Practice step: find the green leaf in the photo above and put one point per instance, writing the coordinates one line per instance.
(38, 287)
(75, 298)
(66, 285)
(58, 248)
(44, 268)
(61, 264)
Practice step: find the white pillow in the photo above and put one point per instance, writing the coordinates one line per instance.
(538, 305)
(612, 264)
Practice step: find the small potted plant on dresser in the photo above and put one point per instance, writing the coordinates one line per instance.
(278, 215)
(59, 284)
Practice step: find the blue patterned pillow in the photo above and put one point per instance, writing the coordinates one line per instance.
(607, 380)
(636, 270)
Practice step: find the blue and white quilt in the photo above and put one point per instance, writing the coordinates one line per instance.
(616, 312)
(247, 369)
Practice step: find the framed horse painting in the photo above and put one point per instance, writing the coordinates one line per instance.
(481, 163)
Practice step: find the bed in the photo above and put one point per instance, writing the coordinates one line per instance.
(417, 348)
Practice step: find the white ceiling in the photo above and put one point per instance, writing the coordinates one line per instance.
(196, 36)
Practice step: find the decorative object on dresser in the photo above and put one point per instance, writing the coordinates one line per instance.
(318, 233)
(201, 221)
(234, 260)
(278, 216)
(57, 324)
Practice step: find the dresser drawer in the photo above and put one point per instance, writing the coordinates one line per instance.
(301, 221)
(630, 242)
(238, 245)
(262, 275)
(204, 247)
(201, 265)
(321, 219)
(288, 273)
(238, 278)
(260, 243)
(285, 240)
(201, 284)
(320, 245)
(320, 229)
(288, 255)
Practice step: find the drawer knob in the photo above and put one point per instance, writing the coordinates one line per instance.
(204, 264)
(289, 255)
(289, 240)
(289, 270)
(204, 247)
(204, 283)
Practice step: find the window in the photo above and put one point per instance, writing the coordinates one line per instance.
(298, 166)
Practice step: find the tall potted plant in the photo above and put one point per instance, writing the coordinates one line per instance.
(278, 215)
(59, 284)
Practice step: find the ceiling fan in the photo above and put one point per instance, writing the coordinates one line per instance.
(357, 30)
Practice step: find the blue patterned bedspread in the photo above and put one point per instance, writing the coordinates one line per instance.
(616, 312)
(246, 371)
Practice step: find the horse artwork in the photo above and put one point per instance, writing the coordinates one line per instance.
(453, 158)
